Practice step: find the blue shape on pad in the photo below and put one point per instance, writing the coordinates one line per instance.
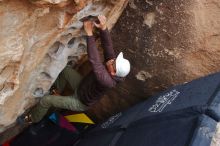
(53, 117)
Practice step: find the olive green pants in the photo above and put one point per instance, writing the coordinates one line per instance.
(67, 76)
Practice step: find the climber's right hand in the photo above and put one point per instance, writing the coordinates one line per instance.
(102, 25)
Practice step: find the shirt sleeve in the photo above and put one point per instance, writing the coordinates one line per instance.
(101, 73)
(107, 45)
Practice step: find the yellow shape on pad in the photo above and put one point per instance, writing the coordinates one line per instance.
(79, 118)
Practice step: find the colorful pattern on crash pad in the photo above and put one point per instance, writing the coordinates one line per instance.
(62, 122)
(79, 118)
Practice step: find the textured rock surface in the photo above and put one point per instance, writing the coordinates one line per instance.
(37, 39)
(169, 42)
(216, 138)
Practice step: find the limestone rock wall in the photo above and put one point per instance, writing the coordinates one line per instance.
(168, 42)
(37, 39)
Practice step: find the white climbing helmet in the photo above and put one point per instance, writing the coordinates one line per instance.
(122, 66)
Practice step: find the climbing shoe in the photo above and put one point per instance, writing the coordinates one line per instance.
(24, 120)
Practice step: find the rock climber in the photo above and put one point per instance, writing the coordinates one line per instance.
(92, 87)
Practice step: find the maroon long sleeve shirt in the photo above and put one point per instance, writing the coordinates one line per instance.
(95, 84)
